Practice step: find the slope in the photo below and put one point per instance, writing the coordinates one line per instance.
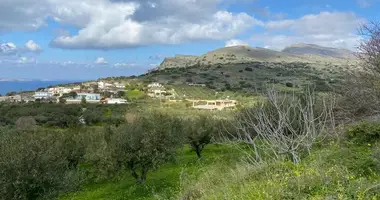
(305, 53)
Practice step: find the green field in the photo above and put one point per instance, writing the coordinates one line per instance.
(193, 92)
(336, 171)
(163, 183)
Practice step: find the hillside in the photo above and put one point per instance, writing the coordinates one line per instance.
(312, 49)
(305, 53)
(253, 77)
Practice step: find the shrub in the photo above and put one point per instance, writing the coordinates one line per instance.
(364, 132)
(249, 69)
(145, 143)
(34, 164)
(189, 80)
(289, 85)
(135, 94)
(26, 123)
(199, 132)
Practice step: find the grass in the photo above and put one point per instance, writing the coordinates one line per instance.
(163, 183)
(135, 94)
(333, 171)
(189, 92)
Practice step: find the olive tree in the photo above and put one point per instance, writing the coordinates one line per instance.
(145, 143)
(34, 164)
(200, 131)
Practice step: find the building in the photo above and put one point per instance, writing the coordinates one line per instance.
(5, 98)
(75, 88)
(60, 90)
(155, 85)
(43, 95)
(15, 98)
(90, 98)
(197, 85)
(156, 92)
(215, 104)
(101, 85)
(115, 101)
(119, 85)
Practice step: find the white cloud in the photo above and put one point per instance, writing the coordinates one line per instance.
(26, 60)
(112, 24)
(234, 42)
(8, 49)
(334, 29)
(124, 65)
(101, 61)
(31, 46)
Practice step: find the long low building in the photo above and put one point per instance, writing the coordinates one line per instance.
(43, 95)
(89, 97)
(215, 104)
(114, 101)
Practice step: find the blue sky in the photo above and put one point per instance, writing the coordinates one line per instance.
(89, 39)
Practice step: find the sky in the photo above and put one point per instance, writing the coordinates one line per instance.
(89, 39)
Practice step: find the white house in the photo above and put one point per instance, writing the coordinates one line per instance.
(119, 85)
(101, 85)
(116, 101)
(156, 85)
(43, 95)
(75, 87)
(5, 98)
(156, 92)
(215, 104)
(90, 98)
(59, 90)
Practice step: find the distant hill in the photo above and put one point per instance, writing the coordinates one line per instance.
(312, 49)
(305, 53)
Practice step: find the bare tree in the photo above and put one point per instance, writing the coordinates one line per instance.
(361, 91)
(287, 124)
(369, 48)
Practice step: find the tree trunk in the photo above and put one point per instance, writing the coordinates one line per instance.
(144, 171)
(295, 158)
(136, 176)
(198, 150)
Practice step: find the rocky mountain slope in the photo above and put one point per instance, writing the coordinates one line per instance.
(305, 53)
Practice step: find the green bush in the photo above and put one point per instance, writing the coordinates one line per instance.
(364, 132)
(200, 132)
(135, 94)
(52, 115)
(249, 69)
(36, 164)
(141, 145)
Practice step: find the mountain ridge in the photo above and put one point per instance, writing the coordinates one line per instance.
(307, 53)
